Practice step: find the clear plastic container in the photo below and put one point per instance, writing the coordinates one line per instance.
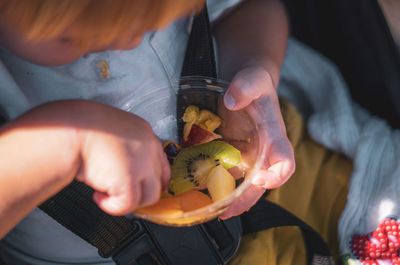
(244, 129)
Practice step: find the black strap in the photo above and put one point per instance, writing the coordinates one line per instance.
(75, 209)
(265, 215)
(199, 57)
(198, 71)
(3, 117)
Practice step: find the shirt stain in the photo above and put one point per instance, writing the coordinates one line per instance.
(104, 69)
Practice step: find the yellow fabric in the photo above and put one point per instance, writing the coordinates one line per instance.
(316, 193)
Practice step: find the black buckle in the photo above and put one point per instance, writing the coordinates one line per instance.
(224, 236)
(137, 248)
(212, 243)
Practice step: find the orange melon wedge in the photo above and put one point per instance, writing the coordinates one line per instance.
(174, 207)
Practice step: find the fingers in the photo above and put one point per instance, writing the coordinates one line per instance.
(125, 199)
(247, 86)
(114, 201)
(115, 193)
(278, 166)
(116, 204)
(256, 85)
(275, 176)
(124, 176)
(244, 203)
(165, 171)
(150, 191)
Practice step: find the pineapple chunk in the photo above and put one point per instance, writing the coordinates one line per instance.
(220, 183)
(208, 120)
(203, 118)
(190, 117)
(191, 114)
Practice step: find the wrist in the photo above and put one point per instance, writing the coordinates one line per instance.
(38, 159)
(50, 134)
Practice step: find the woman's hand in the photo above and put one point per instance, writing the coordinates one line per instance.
(254, 85)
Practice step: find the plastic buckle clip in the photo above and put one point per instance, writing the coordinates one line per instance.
(137, 248)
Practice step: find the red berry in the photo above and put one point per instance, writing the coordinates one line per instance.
(396, 261)
(384, 242)
(368, 262)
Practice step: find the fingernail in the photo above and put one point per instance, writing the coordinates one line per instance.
(229, 101)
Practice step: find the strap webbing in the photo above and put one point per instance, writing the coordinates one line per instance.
(75, 209)
(265, 215)
(199, 56)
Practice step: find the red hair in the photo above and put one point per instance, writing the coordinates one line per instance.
(94, 22)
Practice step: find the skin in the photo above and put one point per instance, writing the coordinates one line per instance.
(82, 140)
(252, 42)
(102, 146)
(59, 51)
(66, 140)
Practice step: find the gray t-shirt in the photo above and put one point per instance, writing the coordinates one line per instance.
(142, 81)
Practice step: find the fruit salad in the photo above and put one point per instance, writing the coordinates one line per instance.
(200, 166)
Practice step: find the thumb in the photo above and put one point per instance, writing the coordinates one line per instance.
(248, 85)
(239, 95)
(165, 171)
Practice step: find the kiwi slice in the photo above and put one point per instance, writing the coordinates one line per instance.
(192, 164)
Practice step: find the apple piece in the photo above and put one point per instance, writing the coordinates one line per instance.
(199, 135)
(220, 183)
